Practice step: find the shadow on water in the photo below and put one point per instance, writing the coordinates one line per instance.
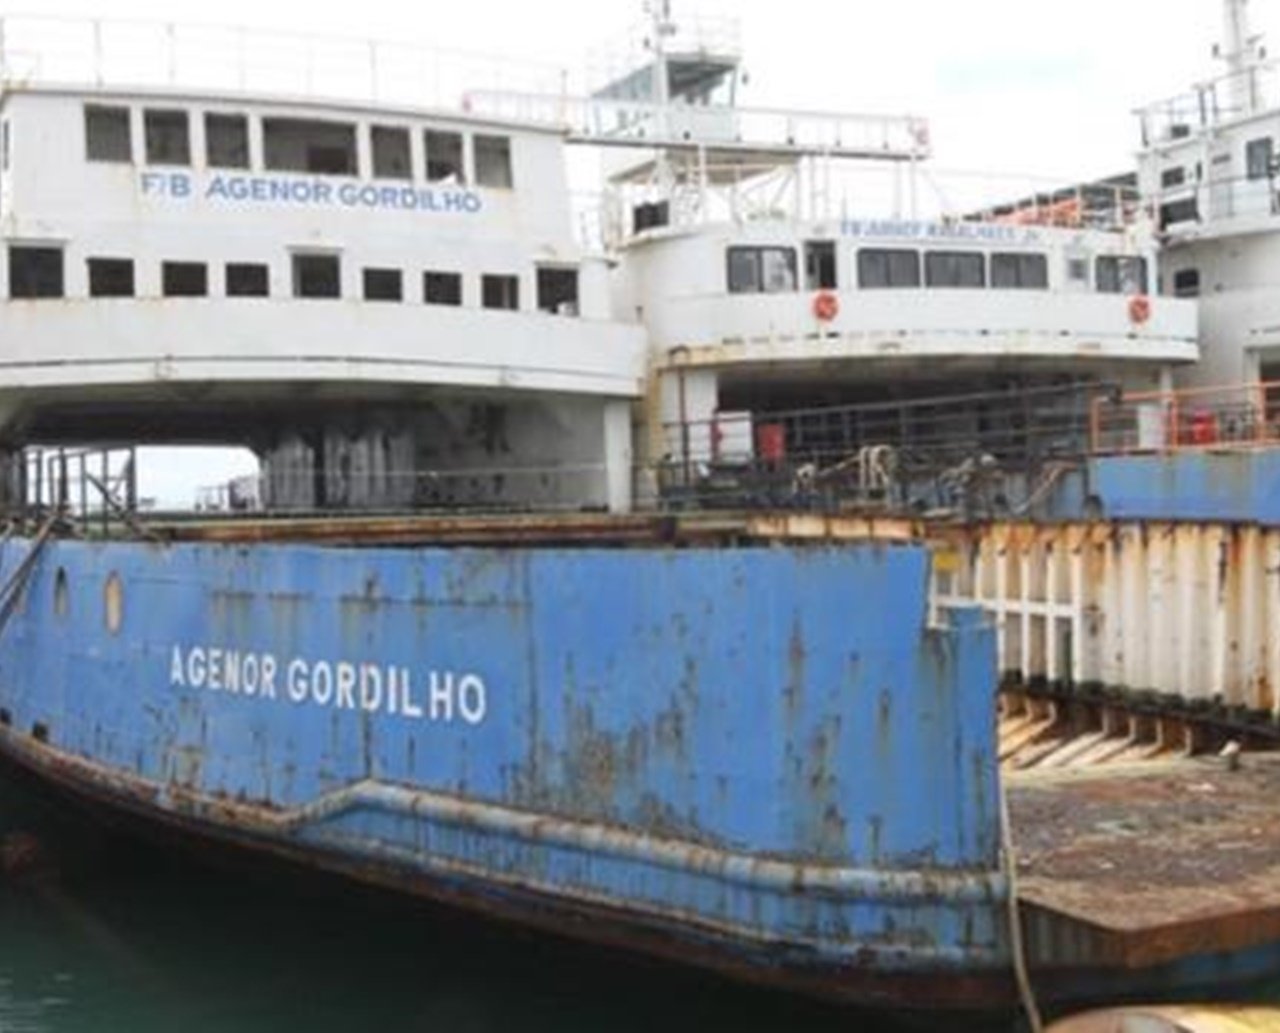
(126, 936)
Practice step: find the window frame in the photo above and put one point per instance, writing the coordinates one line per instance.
(428, 150)
(439, 277)
(96, 265)
(892, 281)
(755, 255)
(296, 261)
(38, 292)
(150, 143)
(1255, 168)
(175, 267)
(109, 110)
(379, 129)
(351, 150)
(1119, 263)
(956, 257)
(236, 291)
(505, 181)
(503, 280)
(371, 276)
(226, 117)
(1038, 260)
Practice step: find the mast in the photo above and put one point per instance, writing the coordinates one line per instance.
(1241, 52)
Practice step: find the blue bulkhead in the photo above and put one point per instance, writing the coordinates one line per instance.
(765, 746)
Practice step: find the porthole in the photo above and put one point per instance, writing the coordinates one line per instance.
(113, 602)
(61, 593)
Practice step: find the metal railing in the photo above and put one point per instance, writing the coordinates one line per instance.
(96, 488)
(1210, 104)
(104, 52)
(1240, 416)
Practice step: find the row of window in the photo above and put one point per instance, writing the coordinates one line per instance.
(768, 270)
(37, 272)
(318, 146)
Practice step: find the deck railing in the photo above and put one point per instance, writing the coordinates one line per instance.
(1239, 416)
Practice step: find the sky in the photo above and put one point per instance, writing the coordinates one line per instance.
(1011, 88)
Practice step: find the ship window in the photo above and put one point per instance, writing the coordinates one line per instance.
(1121, 274)
(309, 145)
(184, 279)
(1029, 272)
(168, 138)
(761, 270)
(444, 157)
(1186, 210)
(500, 291)
(316, 276)
(1257, 157)
(247, 280)
(558, 291)
(1078, 270)
(106, 133)
(383, 285)
(226, 141)
(955, 269)
(35, 272)
(110, 277)
(888, 267)
(6, 144)
(493, 161)
(1173, 177)
(1186, 283)
(442, 288)
(391, 153)
(820, 265)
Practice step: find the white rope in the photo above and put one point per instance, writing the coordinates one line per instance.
(1016, 947)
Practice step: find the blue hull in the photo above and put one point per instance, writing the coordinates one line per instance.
(757, 759)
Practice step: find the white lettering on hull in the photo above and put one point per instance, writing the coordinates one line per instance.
(438, 696)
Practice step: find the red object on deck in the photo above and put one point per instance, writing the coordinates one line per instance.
(1204, 428)
(771, 442)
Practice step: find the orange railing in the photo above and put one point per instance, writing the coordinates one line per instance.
(1233, 417)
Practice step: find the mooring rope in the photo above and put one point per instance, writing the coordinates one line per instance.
(1017, 948)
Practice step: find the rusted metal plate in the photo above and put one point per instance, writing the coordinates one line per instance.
(1139, 865)
(545, 528)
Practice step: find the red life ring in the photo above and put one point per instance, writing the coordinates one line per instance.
(826, 306)
(1139, 308)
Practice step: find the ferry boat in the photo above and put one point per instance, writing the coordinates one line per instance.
(618, 588)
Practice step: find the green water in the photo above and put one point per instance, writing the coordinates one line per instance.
(128, 937)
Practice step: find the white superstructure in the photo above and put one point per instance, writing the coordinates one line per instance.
(397, 306)
(1208, 169)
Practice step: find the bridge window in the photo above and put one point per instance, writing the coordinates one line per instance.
(35, 272)
(110, 277)
(500, 291)
(444, 157)
(820, 265)
(1121, 274)
(309, 145)
(493, 161)
(442, 288)
(1257, 157)
(226, 141)
(1173, 177)
(247, 280)
(317, 276)
(383, 285)
(888, 267)
(955, 269)
(761, 270)
(168, 137)
(1186, 283)
(390, 147)
(106, 134)
(1012, 270)
(558, 291)
(184, 279)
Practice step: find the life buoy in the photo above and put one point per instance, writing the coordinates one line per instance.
(1139, 308)
(826, 306)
